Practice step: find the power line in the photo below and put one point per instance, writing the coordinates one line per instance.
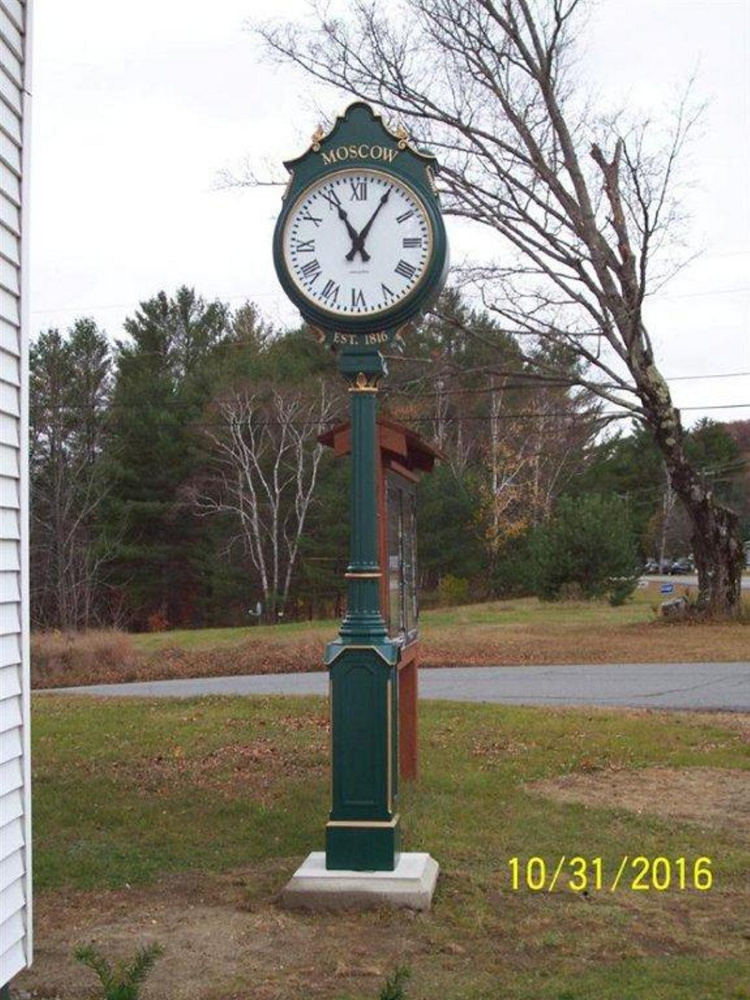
(670, 378)
(594, 418)
(685, 378)
(531, 382)
(707, 291)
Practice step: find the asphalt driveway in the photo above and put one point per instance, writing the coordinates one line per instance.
(699, 686)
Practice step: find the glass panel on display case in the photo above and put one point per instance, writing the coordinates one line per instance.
(402, 559)
(394, 559)
(410, 561)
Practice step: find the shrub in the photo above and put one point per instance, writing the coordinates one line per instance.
(157, 622)
(66, 657)
(510, 574)
(124, 980)
(395, 986)
(621, 589)
(453, 590)
(587, 545)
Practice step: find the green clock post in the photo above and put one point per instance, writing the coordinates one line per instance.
(360, 248)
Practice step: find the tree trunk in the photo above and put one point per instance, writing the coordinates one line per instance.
(666, 516)
(717, 549)
(717, 552)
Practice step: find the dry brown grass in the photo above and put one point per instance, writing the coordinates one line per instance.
(710, 796)
(63, 658)
(497, 634)
(110, 657)
(591, 642)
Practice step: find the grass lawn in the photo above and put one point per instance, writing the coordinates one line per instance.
(522, 613)
(180, 821)
(523, 631)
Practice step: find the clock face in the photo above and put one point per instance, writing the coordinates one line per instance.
(357, 243)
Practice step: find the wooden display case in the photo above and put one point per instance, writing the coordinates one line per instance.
(404, 458)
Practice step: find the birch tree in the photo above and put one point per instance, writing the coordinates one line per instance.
(263, 468)
(583, 206)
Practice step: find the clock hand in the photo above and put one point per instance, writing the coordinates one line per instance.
(359, 243)
(353, 235)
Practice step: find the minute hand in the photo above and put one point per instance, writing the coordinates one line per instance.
(353, 234)
(358, 245)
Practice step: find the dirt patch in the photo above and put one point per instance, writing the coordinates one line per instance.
(711, 796)
(223, 936)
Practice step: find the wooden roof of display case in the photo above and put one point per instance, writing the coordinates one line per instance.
(402, 450)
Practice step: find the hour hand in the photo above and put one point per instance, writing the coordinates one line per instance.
(358, 244)
(354, 236)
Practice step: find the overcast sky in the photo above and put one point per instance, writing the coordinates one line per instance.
(138, 106)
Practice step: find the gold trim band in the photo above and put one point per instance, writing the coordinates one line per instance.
(364, 823)
(390, 743)
(374, 649)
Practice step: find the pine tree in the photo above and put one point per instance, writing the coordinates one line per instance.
(165, 377)
(70, 386)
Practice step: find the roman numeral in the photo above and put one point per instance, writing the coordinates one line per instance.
(307, 217)
(311, 270)
(359, 190)
(305, 246)
(404, 216)
(412, 241)
(405, 269)
(330, 291)
(386, 290)
(332, 198)
(358, 299)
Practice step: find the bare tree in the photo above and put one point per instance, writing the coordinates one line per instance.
(70, 387)
(583, 207)
(263, 470)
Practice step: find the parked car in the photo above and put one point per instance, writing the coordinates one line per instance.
(680, 567)
(651, 566)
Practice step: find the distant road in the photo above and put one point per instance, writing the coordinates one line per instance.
(699, 686)
(690, 580)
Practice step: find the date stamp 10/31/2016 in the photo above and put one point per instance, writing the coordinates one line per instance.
(638, 873)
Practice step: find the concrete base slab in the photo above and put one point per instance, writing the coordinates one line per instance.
(410, 885)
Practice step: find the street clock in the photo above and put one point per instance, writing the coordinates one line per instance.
(360, 249)
(360, 245)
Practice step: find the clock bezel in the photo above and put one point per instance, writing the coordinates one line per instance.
(388, 320)
(339, 316)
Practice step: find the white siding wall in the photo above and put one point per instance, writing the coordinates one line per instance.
(15, 813)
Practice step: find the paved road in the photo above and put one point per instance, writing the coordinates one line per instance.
(689, 580)
(642, 685)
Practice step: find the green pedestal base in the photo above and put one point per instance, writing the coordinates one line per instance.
(363, 848)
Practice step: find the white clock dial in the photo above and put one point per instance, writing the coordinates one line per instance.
(357, 243)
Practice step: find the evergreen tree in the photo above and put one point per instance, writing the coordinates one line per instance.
(165, 377)
(719, 460)
(627, 466)
(324, 547)
(70, 387)
(449, 535)
(630, 466)
(589, 544)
